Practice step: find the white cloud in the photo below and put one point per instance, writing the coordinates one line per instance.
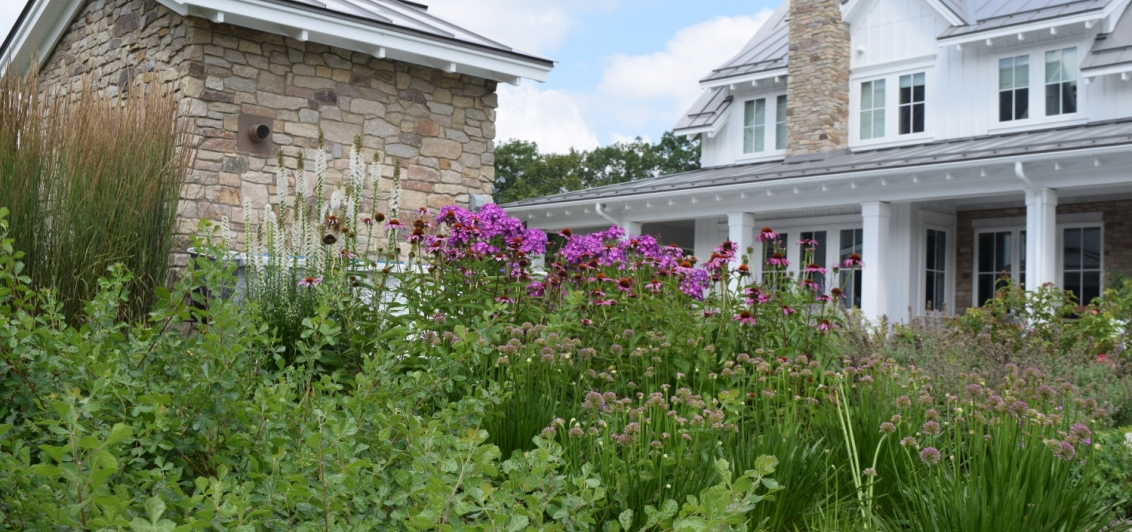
(533, 26)
(672, 75)
(551, 118)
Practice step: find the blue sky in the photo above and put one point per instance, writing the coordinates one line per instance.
(626, 68)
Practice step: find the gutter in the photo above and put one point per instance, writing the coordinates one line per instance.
(599, 208)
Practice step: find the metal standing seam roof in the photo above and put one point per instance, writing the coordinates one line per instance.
(410, 16)
(1113, 48)
(711, 106)
(994, 14)
(1109, 133)
(767, 50)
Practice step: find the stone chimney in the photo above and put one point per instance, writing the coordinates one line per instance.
(817, 101)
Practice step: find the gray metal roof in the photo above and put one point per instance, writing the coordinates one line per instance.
(705, 112)
(1109, 133)
(413, 17)
(1113, 48)
(765, 51)
(994, 14)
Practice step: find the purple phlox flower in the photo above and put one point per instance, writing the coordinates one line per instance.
(766, 235)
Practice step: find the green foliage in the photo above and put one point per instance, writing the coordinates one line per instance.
(522, 172)
(1114, 468)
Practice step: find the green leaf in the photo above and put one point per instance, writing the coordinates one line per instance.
(155, 508)
(45, 470)
(626, 519)
(89, 442)
(118, 433)
(518, 522)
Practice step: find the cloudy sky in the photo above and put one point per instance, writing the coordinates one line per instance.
(626, 68)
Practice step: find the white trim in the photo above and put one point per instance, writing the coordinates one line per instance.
(892, 136)
(1060, 268)
(1087, 17)
(1020, 221)
(770, 129)
(893, 67)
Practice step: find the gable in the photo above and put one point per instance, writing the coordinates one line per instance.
(883, 31)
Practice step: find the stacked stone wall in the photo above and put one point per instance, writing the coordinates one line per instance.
(113, 43)
(817, 101)
(440, 126)
(1117, 216)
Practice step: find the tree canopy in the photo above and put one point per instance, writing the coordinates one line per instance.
(522, 172)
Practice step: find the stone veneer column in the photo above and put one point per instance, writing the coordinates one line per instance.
(817, 104)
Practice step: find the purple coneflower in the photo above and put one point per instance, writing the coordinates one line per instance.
(653, 286)
(854, 261)
(766, 235)
(787, 310)
(368, 221)
(808, 243)
(394, 224)
(586, 321)
(814, 268)
(824, 326)
(625, 284)
(565, 232)
(745, 318)
(310, 282)
(605, 302)
(505, 300)
(778, 259)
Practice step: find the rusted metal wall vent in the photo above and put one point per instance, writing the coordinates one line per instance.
(255, 136)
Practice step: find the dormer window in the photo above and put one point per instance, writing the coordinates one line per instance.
(759, 136)
(1061, 81)
(754, 126)
(1014, 88)
(872, 109)
(912, 103)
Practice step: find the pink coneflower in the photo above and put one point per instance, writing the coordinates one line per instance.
(597, 294)
(743, 270)
(332, 221)
(423, 211)
(708, 313)
(837, 293)
(586, 321)
(625, 284)
(814, 268)
(310, 282)
(823, 299)
(367, 220)
(745, 318)
(605, 302)
(808, 243)
(766, 235)
(824, 326)
(394, 224)
(416, 237)
(787, 310)
(778, 259)
(653, 286)
(565, 233)
(810, 284)
(854, 261)
(505, 300)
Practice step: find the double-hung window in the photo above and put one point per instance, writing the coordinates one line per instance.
(936, 282)
(754, 126)
(1014, 88)
(912, 95)
(872, 109)
(852, 242)
(1081, 262)
(1061, 81)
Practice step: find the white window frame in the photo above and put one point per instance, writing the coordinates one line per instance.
(1017, 256)
(1033, 78)
(1061, 250)
(949, 273)
(891, 77)
(911, 105)
(770, 129)
(1081, 51)
(832, 225)
(883, 108)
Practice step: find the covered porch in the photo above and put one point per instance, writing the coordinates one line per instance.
(937, 225)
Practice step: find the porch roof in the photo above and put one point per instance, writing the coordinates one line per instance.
(988, 147)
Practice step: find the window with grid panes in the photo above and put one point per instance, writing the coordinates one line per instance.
(872, 109)
(912, 94)
(1081, 263)
(852, 241)
(936, 282)
(754, 126)
(1014, 88)
(1061, 81)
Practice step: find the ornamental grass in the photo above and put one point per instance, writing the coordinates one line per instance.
(91, 180)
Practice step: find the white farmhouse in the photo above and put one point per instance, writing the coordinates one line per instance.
(946, 141)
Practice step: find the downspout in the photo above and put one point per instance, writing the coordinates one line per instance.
(1020, 173)
(599, 208)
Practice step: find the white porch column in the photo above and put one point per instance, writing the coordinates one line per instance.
(707, 237)
(1041, 237)
(741, 231)
(874, 279)
(633, 228)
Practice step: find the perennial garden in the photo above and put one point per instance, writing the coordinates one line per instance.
(454, 370)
